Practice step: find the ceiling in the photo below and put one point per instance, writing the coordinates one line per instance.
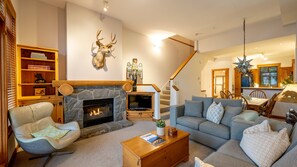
(192, 19)
(195, 19)
(277, 47)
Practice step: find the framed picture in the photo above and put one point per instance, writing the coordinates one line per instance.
(39, 91)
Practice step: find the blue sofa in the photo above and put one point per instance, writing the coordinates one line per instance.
(231, 155)
(225, 137)
(202, 130)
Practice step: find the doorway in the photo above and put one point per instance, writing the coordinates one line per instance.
(220, 81)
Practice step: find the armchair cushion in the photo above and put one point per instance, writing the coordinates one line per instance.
(51, 131)
(193, 108)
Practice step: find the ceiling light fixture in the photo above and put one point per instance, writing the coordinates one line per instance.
(105, 8)
(244, 64)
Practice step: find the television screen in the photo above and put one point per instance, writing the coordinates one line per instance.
(139, 102)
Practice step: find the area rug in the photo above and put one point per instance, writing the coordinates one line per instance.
(105, 150)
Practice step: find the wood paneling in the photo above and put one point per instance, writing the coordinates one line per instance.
(255, 73)
(237, 82)
(285, 72)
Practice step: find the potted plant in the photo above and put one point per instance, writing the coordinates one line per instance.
(160, 123)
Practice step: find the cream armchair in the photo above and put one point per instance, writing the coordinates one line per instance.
(33, 118)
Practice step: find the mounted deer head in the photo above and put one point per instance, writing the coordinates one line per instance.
(98, 60)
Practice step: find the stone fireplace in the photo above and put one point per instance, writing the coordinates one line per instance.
(74, 103)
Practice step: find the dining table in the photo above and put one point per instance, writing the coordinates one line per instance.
(255, 103)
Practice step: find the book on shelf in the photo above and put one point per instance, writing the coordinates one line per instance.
(153, 139)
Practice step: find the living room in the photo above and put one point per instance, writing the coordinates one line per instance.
(71, 28)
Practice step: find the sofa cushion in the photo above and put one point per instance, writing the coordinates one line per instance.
(229, 113)
(200, 163)
(206, 102)
(193, 108)
(293, 138)
(264, 146)
(275, 124)
(288, 159)
(219, 159)
(215, 113)
(233, 149)
(229, 102)
(191, 122)
(218, 130)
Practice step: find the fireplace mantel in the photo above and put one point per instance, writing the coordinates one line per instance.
(90, 83)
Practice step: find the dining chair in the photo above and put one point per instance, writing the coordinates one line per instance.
(223, 95)
(267, 109)
(230, 95)
(245, 104)
(258, 94)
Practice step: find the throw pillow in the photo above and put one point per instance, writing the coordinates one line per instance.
(200, 163)
(51, 131)
(229, 113)
(264, 146)
(262, 127)
(193, 108)
(215, 113)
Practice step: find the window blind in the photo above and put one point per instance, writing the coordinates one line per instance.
(11, 60)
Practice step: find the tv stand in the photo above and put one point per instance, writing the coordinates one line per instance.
(139, 113)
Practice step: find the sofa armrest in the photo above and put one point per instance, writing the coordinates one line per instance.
(242, 121)
(175, 112)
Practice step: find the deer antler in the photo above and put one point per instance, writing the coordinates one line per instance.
(98, 40)
(113, 41)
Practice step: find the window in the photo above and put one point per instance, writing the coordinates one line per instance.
(7, 70)
(269, 75)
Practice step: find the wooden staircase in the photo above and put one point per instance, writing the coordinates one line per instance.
(165, 102)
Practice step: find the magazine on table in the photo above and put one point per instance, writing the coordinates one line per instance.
(152, 138)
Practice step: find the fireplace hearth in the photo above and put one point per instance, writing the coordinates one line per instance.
(97, 111)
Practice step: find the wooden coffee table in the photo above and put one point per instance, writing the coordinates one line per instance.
(140, 153)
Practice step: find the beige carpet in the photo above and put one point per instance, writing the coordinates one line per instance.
(104, 150)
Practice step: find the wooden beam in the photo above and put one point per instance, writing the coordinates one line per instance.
(90, 83)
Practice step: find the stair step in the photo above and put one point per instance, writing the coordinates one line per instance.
(166, 92)
(164, 108)
(166, 97)
(167, 88)
(163, 101)
(165, 115)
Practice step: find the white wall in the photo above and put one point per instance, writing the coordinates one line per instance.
(259, 31)
(158, 66)
(189, 79)
(37, 24)
(82, 25)
(42, 25)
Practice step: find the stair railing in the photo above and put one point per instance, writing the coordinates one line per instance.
(174, 90)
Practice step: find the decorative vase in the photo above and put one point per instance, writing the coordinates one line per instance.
(160, 131)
